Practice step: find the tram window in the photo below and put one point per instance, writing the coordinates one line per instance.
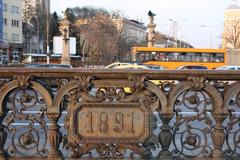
(169, 56)
(198, 57)
(188, 57)
(143, 56)
(205, 57)
(182, 57)
(179, 56)
(153, 56)
(218, 57)
(211, 59)
(147, 56)
(161, 56)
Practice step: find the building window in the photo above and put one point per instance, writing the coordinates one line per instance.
(5, 21)
(4, 7)
(15, 37)
(5, 36)
(15, 55)
(15, 23)
(15, 9)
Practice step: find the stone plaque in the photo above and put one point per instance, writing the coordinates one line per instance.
(109, 123)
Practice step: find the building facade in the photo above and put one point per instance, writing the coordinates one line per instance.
(132, 30)
(165, 41)
(11, 44)
(1, 21)
(231, 39)
(34, 34)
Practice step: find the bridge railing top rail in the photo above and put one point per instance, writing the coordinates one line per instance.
(123, 74)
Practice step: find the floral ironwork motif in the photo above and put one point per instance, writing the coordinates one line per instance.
(109, 150)
(25, 104)
(193, 107)
(233, 125)
(28, 140)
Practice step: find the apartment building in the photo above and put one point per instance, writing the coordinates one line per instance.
(11, 30)
(1, 22)
(34, 35)
(133, 30)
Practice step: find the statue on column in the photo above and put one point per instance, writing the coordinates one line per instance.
(150, 27)
(64, 28)
(151, 16)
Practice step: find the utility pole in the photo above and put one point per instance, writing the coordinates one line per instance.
(47, 2)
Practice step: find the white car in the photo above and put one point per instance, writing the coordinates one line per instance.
(228, 68)
(120, 65)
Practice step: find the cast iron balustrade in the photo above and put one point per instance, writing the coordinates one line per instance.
(90, 113)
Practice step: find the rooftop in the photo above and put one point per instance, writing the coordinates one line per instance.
(233, 5)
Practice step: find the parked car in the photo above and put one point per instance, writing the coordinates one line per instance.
(118, 65)
(125, 65)
(228, 68)
(155, 67)
(31, 65)
(50, 84)
(192, 67)
(54, 66)
(37, 65)
(135, 66)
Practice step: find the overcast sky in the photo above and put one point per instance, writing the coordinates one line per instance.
(199, 22)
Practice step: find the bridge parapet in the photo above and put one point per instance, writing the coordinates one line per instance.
(90, 113)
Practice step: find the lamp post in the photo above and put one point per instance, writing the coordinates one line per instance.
(174, 29)
(64, 28)
(47, 21)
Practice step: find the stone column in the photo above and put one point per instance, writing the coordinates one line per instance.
(64, 28)
(3, 138)
(165, 136)
(218, 136)
(54, 137)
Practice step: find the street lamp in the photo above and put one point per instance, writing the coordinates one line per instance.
(47, 21)
(174, 29)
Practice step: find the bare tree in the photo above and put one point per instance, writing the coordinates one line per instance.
(34, 20)
(99, 37)
(28, 10)
(232, 35)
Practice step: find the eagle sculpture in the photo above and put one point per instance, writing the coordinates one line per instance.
(151, 14)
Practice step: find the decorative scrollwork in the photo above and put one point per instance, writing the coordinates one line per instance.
(23, 81)
(197, 82)
(109, 96)
(232, 97)
(61, 83)
(138, 84)
(26, 102)
(109, 151)
(166, 86)
(194, 123)
(220, 85)
(84, 82)
(3, 82)
(27, 138)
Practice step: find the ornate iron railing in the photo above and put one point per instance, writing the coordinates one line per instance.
(80, 113)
